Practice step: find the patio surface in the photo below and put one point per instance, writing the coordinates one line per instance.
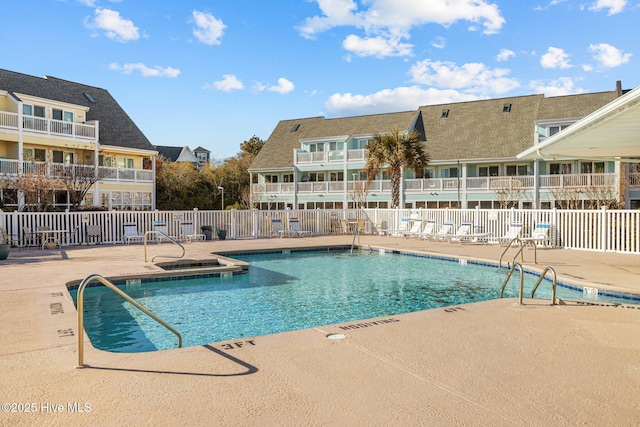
(492, 363)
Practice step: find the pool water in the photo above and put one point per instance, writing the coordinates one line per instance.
(284, 292)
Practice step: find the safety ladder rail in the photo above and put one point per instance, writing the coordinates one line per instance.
(108, 284)
(171, 239)
(553, 285)
(356, 233)
(522, 244)
(513, 267)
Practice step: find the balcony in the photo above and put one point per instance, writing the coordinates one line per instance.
(48, 127)
(111, 174)
(491, 184)
(327, 157)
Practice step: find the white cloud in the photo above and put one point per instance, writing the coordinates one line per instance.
(114, 26)
(376, 46)
(608, 56)
(472, 77)
(504, 55)
(389, 100)
(91, 3)
(439, 43)
(228, 83)
(555, 58)
(145, 71)
(559, 87)
(283, 86)
(208, 30)
(392, 20)
(614, 6)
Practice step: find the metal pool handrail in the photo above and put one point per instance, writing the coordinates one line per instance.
(115, 289)
(515, 264)
(553, 285)
(171, 239)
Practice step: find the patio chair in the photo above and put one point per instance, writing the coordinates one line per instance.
(92, 232)
(28, 238)
(295, 230)
(462, 233)
(513, 232)
(73, 236)
(131, 233)
(444, 232)
(162, 231)
(416, 228)
(404, 223)
(6, 238)
(428, 230)
(277, 229)
(188, 232)
(539, 236)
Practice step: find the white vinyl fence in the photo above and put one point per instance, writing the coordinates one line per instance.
(597, 230)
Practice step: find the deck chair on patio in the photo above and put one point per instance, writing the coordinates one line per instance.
(131, 233)
(404, 223)
(445, 231)
(277, 229)
(462, 233)
(539, 236)
(514, 231)
(29, 239)
(188, 232)
(415, 229)
(6, 238)
(295, 230)
(428, 230)
(93, 233)
(162, 231)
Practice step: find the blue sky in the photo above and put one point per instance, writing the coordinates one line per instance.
(215, 73)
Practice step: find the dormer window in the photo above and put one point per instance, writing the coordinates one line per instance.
(295, 127)
(444, 114)
(506, 108)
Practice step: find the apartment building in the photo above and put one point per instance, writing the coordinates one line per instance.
(63, 130)
(316, 162)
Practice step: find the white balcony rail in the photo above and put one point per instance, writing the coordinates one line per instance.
(334, 156)
(11, 167)
(44, 126)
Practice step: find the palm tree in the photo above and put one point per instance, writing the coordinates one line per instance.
(395, 150)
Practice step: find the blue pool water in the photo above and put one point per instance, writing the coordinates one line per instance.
(284, 292)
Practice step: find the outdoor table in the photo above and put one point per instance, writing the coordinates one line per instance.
(51, 236)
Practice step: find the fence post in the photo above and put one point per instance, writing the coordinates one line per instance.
(256, 223)
(604, 245)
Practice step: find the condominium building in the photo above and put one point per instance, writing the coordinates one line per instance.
(64, 131)
(316, 162)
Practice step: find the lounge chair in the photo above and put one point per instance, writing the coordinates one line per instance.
(162, 231)
(6, 238)
(416, 228)
(539, 236)
(404, 223)
(462, 233)
(92, 232)
(188, 232)
(514, 231)
(428, 230)
(131, 233)
(29, 239)
(445, 231)
(277, 229)
(295, 230)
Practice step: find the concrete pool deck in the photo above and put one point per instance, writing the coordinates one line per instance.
(490, 363)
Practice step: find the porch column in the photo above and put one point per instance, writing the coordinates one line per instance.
(536, 184)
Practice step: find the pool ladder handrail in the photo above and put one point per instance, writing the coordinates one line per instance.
(521, 244)
(533, 292)
(356, 233)
(108, 284)
(171, 239)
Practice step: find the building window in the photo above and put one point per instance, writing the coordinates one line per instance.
(488, 171)
(449, 173)
(104, 161)
(444, 114)
(517, 170)
(35, 154)
(271, 179)
(63, 157)
(33, 110)
(316, 176)
(336, 176)
(559, 168)
(506, 108)
(592, 167)
(287, 177)
(124, 163)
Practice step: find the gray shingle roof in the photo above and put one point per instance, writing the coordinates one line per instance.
(116, 127)
(277, 152)
(170, 153)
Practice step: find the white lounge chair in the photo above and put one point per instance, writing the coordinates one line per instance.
(415, 229)
(188, 232)
(445, 231)
(514, 231)
(428, 231)
(277, 229)
(463, 232)
(295, 230)
(162, 231)
(539, 236)
(131, 233)
(404, 223)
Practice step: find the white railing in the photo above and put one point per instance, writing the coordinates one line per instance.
(11, 167)
(596, 230)
(50, 127)
(334, 156)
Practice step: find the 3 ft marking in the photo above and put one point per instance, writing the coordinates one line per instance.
(239, 344)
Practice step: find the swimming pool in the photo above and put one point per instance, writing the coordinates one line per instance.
(290, 291)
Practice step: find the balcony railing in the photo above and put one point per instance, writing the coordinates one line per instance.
(336, 156)
(476, 184)
(10, 167)
(49, 127)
